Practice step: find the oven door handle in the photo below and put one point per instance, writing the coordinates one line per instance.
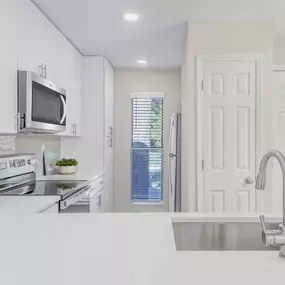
(64, 109)
(76, 197)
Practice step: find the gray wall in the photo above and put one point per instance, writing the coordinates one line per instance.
(126, 82)
(229, 37)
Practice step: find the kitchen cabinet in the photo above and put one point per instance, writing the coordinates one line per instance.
(96, 203)
(39, 42)
(8, 66)
(108, 119)
(108, 135)
(96, 142)
(101, 202)
(74, 91)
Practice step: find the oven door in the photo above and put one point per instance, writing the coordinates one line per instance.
(42, 105)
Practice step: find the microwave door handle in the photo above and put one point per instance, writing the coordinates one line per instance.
(64, 109)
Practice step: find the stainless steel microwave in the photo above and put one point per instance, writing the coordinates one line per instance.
(41, 104)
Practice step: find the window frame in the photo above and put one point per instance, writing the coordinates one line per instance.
(151, 95)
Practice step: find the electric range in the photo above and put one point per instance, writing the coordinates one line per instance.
(18, 177)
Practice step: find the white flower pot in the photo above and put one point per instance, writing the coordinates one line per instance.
(67, 169)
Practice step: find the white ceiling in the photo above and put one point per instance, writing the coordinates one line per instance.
(97, 27)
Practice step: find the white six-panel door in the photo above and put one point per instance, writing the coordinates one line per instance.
(228, 107)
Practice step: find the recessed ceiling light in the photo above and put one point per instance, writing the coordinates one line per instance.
(142, 61)
(131, 17)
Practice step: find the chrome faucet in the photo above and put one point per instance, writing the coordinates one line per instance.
(272, 237)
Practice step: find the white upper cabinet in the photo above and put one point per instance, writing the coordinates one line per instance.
(8, 65)
(73, 80)
(39, 42)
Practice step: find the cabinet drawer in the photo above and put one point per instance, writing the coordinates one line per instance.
(98, 183)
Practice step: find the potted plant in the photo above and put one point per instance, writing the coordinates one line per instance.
(67, 166)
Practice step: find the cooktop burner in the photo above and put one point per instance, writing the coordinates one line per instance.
(47, 188)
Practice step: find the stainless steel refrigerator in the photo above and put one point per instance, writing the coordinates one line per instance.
(174, 164)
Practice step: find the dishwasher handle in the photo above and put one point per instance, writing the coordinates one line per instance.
(76, 197)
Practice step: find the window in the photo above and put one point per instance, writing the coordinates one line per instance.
(147, 148)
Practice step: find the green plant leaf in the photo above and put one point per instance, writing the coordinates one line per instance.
(67, 162)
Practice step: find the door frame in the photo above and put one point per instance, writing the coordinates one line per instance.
(258, 59)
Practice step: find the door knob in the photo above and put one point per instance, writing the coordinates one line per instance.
(249, 180)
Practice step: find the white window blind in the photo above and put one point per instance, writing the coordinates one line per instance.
(147, 148)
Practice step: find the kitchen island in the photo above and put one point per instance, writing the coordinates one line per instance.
(121, 249)
(26, 204)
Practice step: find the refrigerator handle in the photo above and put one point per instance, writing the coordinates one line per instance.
(170, 156)
(171, 133)
(170, 188)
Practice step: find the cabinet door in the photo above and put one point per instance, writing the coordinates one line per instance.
(73, 85)
(8, 65)
(108, 119)
(35, 38)
(96, 203)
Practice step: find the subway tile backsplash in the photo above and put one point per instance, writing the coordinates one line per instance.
(7, 144)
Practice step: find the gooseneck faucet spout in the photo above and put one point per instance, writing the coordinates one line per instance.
(261, 177)
(272, 237)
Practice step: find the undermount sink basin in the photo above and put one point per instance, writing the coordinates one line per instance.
(210, 236)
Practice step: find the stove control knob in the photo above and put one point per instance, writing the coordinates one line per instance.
(32, 161)
(2, 165)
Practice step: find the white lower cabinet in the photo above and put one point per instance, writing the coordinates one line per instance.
(96, 202)
(101, 202)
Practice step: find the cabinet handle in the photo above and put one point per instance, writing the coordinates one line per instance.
(111, 130)
(41, 70)
(110, 142)
(73, 129)
(18, 122)
(45, 71)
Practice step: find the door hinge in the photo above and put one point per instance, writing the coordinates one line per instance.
(202, 85)
(202, 164)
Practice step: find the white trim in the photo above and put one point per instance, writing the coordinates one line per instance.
(147, 95)
(279, 68)
(200, 59)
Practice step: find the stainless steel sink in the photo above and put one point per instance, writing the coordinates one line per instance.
(210, 236)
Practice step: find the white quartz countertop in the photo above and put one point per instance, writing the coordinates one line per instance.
(26, 204)
(77, 176)
(135, 249)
